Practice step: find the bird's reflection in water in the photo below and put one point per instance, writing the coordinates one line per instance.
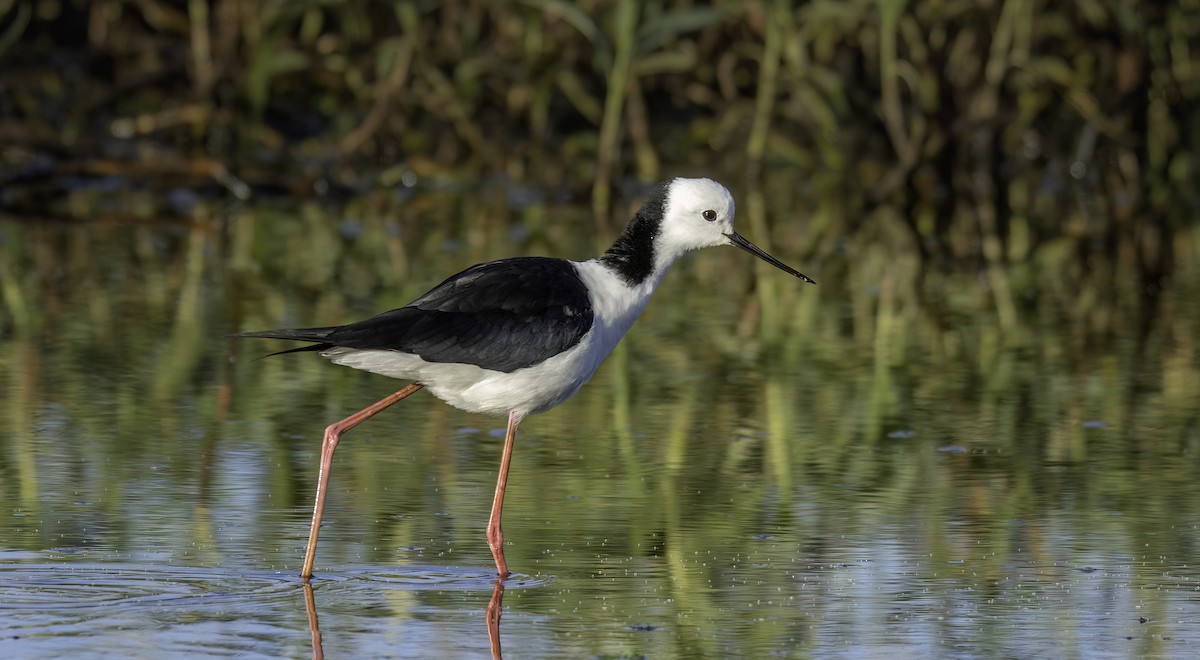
(494, 609)
(314, 628)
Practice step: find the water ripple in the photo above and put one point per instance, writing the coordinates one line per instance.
(53, 610)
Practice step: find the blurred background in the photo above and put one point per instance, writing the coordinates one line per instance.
(997, 376)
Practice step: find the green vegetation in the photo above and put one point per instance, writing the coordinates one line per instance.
(970, 118)
(1000, 365)
(1047, 150)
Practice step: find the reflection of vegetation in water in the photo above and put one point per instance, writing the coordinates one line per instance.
(705, 432)
(136, 311)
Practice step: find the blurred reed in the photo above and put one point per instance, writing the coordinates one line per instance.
(964, 117)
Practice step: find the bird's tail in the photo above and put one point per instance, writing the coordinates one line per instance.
(320, 337)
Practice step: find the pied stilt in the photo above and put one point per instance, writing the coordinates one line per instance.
(519, 336)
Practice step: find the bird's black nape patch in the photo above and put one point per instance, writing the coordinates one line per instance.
(632, 255)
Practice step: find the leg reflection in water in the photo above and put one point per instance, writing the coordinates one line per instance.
(494, 609)
(314, 628)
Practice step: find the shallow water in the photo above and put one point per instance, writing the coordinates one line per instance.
(791, 481)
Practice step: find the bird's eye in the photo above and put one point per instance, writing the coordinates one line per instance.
(709, 215)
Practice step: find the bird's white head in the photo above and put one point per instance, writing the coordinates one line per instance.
(679, 216)
(697, 213)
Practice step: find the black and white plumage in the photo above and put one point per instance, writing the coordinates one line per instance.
(520, 336)
(500, 316)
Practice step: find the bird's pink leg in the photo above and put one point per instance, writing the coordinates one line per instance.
(495, 535)
(333, 433)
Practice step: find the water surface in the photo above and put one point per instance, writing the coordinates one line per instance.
(763, 469)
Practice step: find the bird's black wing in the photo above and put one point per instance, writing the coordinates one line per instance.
(501, 315)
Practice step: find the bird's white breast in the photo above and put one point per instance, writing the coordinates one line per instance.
(533, 389)
(615, 304)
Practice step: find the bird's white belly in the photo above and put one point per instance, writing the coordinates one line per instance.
(530, 390)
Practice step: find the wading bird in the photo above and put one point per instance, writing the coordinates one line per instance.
(519, 336)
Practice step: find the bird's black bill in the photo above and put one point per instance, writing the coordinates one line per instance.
(753, 249)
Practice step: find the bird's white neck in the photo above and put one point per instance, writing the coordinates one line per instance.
(616, 302)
